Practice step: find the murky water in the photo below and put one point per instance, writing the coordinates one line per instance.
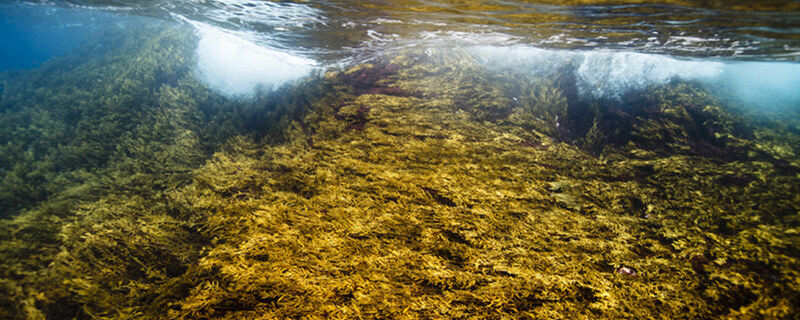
(399, 159)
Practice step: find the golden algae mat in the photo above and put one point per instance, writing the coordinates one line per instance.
(421, 185)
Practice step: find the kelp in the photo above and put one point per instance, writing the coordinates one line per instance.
(414, 186)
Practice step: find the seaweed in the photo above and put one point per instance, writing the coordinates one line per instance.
(442, 197)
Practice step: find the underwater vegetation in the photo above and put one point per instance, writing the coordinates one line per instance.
(414, 186)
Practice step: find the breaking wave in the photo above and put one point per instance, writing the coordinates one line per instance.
(610, 74)
(238, 67)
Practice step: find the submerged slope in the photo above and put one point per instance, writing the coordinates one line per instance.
(425, 186)
(419, 191)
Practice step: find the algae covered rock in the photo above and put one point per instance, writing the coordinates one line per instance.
(413, 186)
(427, 208)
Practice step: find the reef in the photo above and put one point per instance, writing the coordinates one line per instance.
(419, 185)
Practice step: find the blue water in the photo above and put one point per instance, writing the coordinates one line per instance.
(33, 34)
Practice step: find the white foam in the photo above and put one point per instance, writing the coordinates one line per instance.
(609, 74)
(237, 67)
(600, 73)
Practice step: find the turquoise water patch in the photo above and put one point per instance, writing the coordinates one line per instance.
(32, 34)
(766, 85)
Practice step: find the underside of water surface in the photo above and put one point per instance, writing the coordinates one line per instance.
(183, 170)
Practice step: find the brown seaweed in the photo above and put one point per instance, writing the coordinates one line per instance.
(439, 199)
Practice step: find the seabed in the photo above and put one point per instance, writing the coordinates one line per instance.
(420, 185)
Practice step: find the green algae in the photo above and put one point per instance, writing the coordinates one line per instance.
(411, 187)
